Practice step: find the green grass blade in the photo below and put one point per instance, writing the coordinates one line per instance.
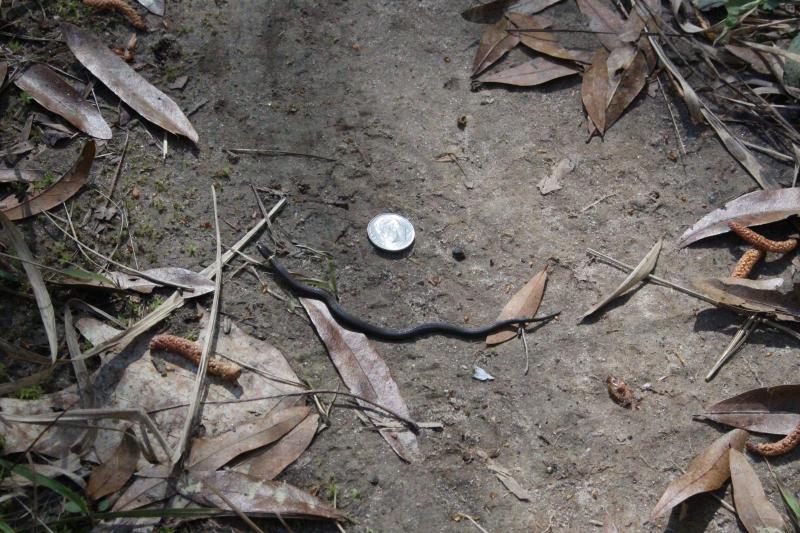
(789, 500)
(46, 482)
(5, 528)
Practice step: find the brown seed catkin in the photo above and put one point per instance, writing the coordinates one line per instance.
(760, 242)
(122, 7)
(746, 263)
(191, 351)
(771, 449)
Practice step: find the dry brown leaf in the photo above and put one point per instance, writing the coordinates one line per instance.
(3, 71)
(491, 12)
(212, 453)
(642, 270)
(365, 373)
(254, 497)
(495, 42)
(110, 476)
(751, 295)
(149, 486)
(63, 189)
(753, 508)
(773, 410)
(534, 72)
(618, 62)
(594, 89)
(543, 41)
(508, 481)
(126, 83)
(751, 209)
(630, 85)
(524, 304)
(56, 95)
(708, 471)
(603, 20)
(277, 457)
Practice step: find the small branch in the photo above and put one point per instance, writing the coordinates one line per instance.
(277, 153)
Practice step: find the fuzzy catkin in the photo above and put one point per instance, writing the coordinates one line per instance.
(122, 7)
(760, 242)
(191, 351)
(771, 449)
(746, 263)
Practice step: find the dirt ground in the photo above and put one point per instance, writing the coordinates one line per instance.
(379, 85)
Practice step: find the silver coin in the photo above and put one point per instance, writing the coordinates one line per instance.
(390, 232)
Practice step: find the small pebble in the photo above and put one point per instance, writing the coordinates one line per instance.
(462, 122)
(374, 480)
(135, 193)
(458, 253)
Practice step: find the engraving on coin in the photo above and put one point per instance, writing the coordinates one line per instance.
(390, 232)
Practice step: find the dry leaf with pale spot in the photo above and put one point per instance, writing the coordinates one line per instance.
(773, 410)
(524, 304)
(642, 270)
(126, 83)
(708, 471)
(56, 95)
(534, 72)
(753, 508)
(60, 191)
(110, 476)
(491, 12)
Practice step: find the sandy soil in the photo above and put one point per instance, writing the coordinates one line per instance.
(379, 86)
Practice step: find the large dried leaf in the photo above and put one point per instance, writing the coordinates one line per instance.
(708, 471)
(642, 270)
(603, 20)
(17, 241)
(630, 85)
(534, 72)
(495, 42)
(212, 453)
(759, 296)
(56, 95)
(149, 486)
(254, 497)
(773, 410)
(276, 458)
(491, 12)
(126, 83)
(618, 62)
(594, 89)
(110, 476)
(523, 304)
(365, 373)
(751, 209)
(127, 282)
(753, 508)
(63, 189)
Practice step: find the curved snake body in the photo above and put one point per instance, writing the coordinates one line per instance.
(371, 330)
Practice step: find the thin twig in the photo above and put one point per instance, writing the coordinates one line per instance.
(736, 342)
(472, 520)
(525, 344)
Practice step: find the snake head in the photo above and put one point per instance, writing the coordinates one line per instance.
(265, 251)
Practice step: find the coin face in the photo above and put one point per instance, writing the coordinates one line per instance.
(390, 232)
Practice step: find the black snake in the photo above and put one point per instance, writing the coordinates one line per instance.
(377, 332)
